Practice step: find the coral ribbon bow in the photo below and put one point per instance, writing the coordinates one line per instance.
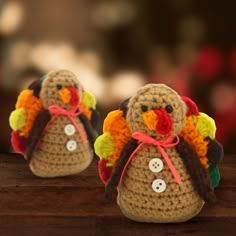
(56, 110)
(169, 142)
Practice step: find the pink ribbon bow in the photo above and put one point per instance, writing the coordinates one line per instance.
(143, 138)
(56, 110)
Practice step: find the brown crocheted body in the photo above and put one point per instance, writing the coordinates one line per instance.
(139, 202)
(51, 157)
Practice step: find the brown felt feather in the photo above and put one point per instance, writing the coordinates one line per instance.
(94, 118)
(37, 129)
(36, 87)
(124, 107)
(215, 152)
(117, 171)
(197, 172)
(89, 129)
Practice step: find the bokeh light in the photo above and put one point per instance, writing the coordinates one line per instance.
(117, 46)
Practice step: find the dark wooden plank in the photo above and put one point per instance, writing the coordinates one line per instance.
(228, 171)
(75, 205)
(15, 172)
(21, 193)
(63, 201)
(115, 226)
(77, 201)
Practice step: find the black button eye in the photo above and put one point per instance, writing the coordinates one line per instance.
(144, 108)
(169, 108)
(76, 86)
(59, 86)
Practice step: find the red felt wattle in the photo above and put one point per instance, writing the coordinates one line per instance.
(18, 142)
(104, 171)
(165, 123)
(74, 101)
(191, 105)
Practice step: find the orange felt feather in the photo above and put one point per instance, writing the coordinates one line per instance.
(117, 126)
(196, 140)
(32, 105)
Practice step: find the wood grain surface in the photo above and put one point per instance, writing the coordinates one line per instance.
(75, 205)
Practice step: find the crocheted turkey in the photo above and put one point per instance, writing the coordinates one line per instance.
(161, 155)
(52, 125)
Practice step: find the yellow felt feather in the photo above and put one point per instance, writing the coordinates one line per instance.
(104, 146)
(116, 135)
(88, 100)
(17, 119)
(205, 125)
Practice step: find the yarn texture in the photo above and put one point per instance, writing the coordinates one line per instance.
(138, 201)
(51, 125)
(161, 151)
(51, 158)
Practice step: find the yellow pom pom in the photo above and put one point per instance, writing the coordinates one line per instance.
(89, 100)
(17, 119)
(104, 146)
(205, 125)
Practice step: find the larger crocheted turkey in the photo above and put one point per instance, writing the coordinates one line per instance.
(52, 125)
(161, 155)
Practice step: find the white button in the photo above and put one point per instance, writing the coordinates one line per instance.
(71, 145)
(158, 185)
(69, 129)
(155, 165)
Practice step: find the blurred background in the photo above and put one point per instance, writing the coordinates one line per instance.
(116, 46)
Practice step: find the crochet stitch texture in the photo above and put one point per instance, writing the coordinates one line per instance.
(51, 125)
(157, 184)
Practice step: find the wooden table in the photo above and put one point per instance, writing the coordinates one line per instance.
(75, 205)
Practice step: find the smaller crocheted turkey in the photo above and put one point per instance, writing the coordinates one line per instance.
(52, 125)
(161, 155)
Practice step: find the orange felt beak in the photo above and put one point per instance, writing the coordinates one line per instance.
(65, 95)
(69, 95)
(150, 119)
